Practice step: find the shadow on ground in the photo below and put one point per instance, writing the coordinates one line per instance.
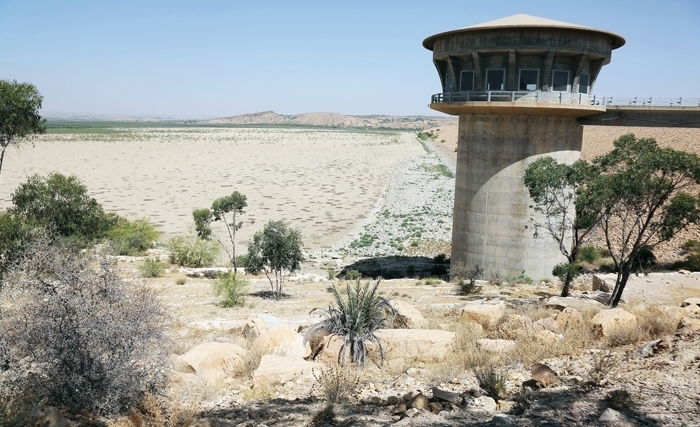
(400, 267)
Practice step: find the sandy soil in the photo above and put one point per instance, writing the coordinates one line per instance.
(323, 181)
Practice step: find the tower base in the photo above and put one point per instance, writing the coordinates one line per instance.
(492, 225)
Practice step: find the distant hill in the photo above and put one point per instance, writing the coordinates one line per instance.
(337, 120)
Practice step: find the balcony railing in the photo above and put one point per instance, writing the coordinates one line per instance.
(560, 98)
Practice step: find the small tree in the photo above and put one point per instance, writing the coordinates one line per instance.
(62, 206)
(567, 212)
(19, 114)
(645, 200)
(220, 208)
(276, 250)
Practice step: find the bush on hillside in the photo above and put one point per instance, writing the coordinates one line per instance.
(61, 205)
(191, 251)
(132, 237)
(76, 336)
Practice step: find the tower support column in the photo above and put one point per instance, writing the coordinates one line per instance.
(492, 224)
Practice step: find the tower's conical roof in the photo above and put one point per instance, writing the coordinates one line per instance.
(525, 21)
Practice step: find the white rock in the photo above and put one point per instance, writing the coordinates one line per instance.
(611, 320)
(483, 314)
(416, 344)
(408, 314)
(561, 303)
(599, 284)
(610, 415)
(495, 346)
(275, 370)
(212, 361)
(281, 340)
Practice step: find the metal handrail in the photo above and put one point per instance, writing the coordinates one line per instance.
(560, 98)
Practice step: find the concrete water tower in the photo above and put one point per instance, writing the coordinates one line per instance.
(519, 85)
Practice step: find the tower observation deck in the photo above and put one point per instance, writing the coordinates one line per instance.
(522, 88)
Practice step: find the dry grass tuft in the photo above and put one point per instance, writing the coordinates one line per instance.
(159, 411)
(335, 383)
(602, 364)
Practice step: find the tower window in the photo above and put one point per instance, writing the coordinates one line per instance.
(448, 82)
(560, 81)
(529, 79)
(495, 79)
(466, 80)
(583, 83)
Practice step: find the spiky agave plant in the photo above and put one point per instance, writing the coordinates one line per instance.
(356, 318)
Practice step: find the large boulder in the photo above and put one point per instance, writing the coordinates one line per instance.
(253, 327)
(546, 324)
(609, 321)
(407, 316)
(483, 314)
(274, 370)
(212, 361)
(416, 344)
(281, 340)
(516, 325)
(560, 303)
(568, 317)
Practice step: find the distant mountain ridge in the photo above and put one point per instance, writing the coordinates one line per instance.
(374, 121)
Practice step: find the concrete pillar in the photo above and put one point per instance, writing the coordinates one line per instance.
(492, 226)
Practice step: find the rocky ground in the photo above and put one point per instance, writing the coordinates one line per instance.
(244, 366)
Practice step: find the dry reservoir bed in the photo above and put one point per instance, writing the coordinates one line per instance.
(323, 181)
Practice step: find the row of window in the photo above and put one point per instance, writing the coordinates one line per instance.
(528, 80)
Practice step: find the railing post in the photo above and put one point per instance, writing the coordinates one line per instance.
(560, 94)
(488, 96)
(680, 101)
(512, 96)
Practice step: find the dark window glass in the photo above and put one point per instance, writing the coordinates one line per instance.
(466, 80)
(583, 84)
(560, 81)
(495, 79)
(528, 79)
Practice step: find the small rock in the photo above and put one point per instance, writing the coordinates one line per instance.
(560, 303)
(646, 350)
(691, 301)
(392, 400)
(506, 406)
(419, 401)
(412, 412)
(569, 317)
(546, 324)
(684, 271)
(434, 407)
(400, 408)
(447, 396)
(375, 400)
(483, 403)
(483, 314)
(610, 415)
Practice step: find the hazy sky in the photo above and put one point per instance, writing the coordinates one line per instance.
(213, 58)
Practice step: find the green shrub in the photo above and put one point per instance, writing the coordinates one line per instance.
(492, 380)
(466, 278)
(152, 267)
(232, 287)
(520, 279)
(356, 317)
(132, 237)
(191, 251)
(353, 275)
(15, 235)
(588, 253)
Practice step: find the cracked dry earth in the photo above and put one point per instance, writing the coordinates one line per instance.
(661, 389)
